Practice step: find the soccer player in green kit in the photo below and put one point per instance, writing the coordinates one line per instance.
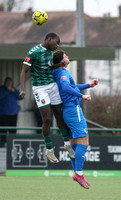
(39, 61)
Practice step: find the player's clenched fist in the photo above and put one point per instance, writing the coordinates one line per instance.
(22, 94)
(86, 97)
(94, 82)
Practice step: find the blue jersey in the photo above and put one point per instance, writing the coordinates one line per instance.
(69, 91)
(61, 75)
(9, 101)
(71, 97)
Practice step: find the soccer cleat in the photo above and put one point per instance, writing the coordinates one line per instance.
(51, 156)
(70, 150)
(88, 183)
(81, 180)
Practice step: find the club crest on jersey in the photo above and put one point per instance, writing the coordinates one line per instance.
(27, 59)
(49, 63)
(43, 101)
(85, 130)
(63, 78)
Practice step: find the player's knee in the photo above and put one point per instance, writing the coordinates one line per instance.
(46, 122)
(86, 141)
(57, 112)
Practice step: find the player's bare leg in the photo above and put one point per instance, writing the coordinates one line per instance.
(46, 118)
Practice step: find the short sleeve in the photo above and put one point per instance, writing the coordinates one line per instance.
(28, 60)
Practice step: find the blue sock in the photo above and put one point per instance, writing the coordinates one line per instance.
(80, 156)
(73, 159)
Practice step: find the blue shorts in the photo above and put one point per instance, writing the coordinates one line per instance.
(74, 118)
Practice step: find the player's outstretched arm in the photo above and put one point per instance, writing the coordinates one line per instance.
(83, 86)
(24, 71)
(69, 90)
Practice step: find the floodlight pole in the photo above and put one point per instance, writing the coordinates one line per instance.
(80, 41)
(80, 33)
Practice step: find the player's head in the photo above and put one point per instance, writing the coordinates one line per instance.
(60, 59)
(52, 41)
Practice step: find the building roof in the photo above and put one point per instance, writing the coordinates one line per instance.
(18, 28)
(110, 37)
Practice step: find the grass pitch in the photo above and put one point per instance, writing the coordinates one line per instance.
(59, 188)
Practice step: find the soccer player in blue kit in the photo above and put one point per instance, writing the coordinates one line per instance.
(72, 112)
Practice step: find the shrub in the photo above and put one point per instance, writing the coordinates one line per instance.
(105, 110)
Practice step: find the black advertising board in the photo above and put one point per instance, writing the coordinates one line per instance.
(27, 152)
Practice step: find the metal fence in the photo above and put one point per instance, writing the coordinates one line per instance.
(55, 130)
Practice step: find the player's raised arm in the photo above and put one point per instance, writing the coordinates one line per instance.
(24, 71)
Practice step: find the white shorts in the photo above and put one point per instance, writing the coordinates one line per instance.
(47, 95)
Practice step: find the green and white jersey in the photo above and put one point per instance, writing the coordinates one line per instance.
(40, 61)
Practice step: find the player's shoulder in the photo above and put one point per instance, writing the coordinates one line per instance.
(65, 72)
(35, 49)
(64, 75)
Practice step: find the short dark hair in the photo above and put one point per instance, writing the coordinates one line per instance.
(58, 56)
(8, 79)
(52, 35)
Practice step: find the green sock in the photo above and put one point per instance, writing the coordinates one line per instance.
(65, 134)
(48, 142)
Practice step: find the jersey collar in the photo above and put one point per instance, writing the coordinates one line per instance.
(43, 47)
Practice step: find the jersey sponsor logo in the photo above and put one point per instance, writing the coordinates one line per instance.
(27, 59)
(43, 101)
(63, 78)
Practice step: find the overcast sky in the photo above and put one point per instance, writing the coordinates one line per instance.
(91, 7)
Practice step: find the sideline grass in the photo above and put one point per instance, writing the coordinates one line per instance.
(58, 188)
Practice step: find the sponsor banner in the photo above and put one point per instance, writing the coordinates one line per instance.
(104, 152)
(94, 173)
(27, 152)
